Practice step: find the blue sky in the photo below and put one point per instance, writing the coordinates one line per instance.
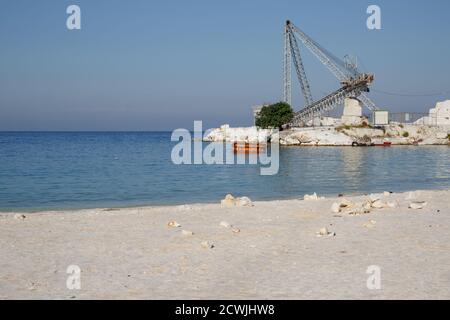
(160, 65)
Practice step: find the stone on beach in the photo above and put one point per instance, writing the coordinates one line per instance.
(357, 210)
(244, 202)
(417, 205)
(187, 233)
(231, 201)
(323, 232)
(229, 226)
(335, 207)
(367, 205)
(392, 204)
(345, 203)
(207, 245)
(225, 224)
(378, 204)
(313, 197)
(173, 224)
(19, 216)
(342, 204)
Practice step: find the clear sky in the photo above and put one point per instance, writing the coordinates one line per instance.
(160, 65)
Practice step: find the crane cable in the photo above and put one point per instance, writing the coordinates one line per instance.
(411, 94)
(434, 94)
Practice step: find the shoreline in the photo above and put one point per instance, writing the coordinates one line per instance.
(271, 252)
(195, 203)
(338, 135)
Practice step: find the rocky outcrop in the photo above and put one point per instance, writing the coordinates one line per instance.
(343, 135)
(314, 137)
(231, 201)
(247, 134)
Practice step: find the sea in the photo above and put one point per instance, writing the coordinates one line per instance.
(75, 170)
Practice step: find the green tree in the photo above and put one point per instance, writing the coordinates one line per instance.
(274, 115)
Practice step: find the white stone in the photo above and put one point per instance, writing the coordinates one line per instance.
(207, 245)
(323, 232)
(308, 197)
(345, 203)
(442, 135)
(417, 205)
(19, 216)
(244, 202)
(367, 205)
(335, 208)
(229, 201)
(173, 224)
(378, 204)
(225, 224)
(392, 204)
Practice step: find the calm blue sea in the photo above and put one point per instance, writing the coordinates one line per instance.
(84, 170)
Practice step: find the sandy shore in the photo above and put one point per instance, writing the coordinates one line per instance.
(131, 253)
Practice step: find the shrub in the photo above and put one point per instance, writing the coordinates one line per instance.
(343, 127)
(405, 134)
(274, 115)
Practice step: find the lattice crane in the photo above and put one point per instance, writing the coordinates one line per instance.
(354, 83)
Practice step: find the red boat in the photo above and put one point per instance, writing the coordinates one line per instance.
(384, 144)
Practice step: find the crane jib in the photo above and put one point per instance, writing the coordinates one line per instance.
(353, 83)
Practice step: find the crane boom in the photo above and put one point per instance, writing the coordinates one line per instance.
(354, 83)
(318, 52)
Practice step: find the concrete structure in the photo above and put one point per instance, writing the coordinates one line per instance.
(441, 113)
(380, 118)
(352, 114)
(438, 116)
